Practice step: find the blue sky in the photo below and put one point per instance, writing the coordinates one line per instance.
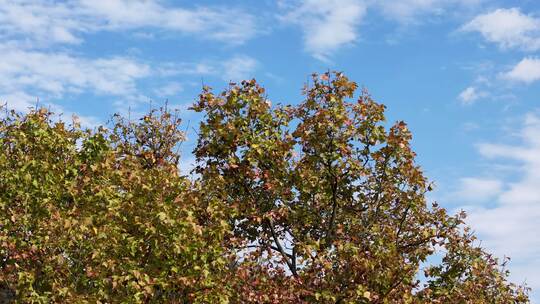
(464, 74)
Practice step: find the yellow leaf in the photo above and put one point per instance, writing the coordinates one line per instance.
(367, 295)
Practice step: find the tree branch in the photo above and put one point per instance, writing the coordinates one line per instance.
(285, 256)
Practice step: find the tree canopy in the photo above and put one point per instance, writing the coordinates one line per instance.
(317, 202)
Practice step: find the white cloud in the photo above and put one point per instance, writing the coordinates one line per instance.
(511, 226)
(527, 71)
(221, 24)
(40, 21)
(327, 24)
(32, 64)
(26, 75)
(18, 101)
(186, 68)
(48, 21)
(408, 11)
(475, 190)
(168, 90)
(509, 28)
(238, 68)
(58, 73)
(29, 75)
(470, 95)
(23, 102)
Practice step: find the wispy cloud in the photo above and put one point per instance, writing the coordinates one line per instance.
(235, 68)
(26, 75)
(22, 102)
(478, 190)
(18, 100)
(510, 226)
(470, 95)
(37, 35)
(57, 73)
(39, 21)
(168, 90)
(508, 28)
(238, 68)
(50, 21)
(414, 11)
(330, 25)
(406, 11)
(327, 24)
(494, 82)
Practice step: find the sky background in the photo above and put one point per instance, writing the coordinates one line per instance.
(464, 74)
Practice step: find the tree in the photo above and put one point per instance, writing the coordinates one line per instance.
(312, 203)
(104, 216)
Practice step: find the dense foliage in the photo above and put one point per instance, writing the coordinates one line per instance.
(312, 203)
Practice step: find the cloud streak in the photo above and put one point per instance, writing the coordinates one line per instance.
(239, 67)
(49, 21)
(510, 227)
(58, 73)
(26, 75)
(470, 95)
